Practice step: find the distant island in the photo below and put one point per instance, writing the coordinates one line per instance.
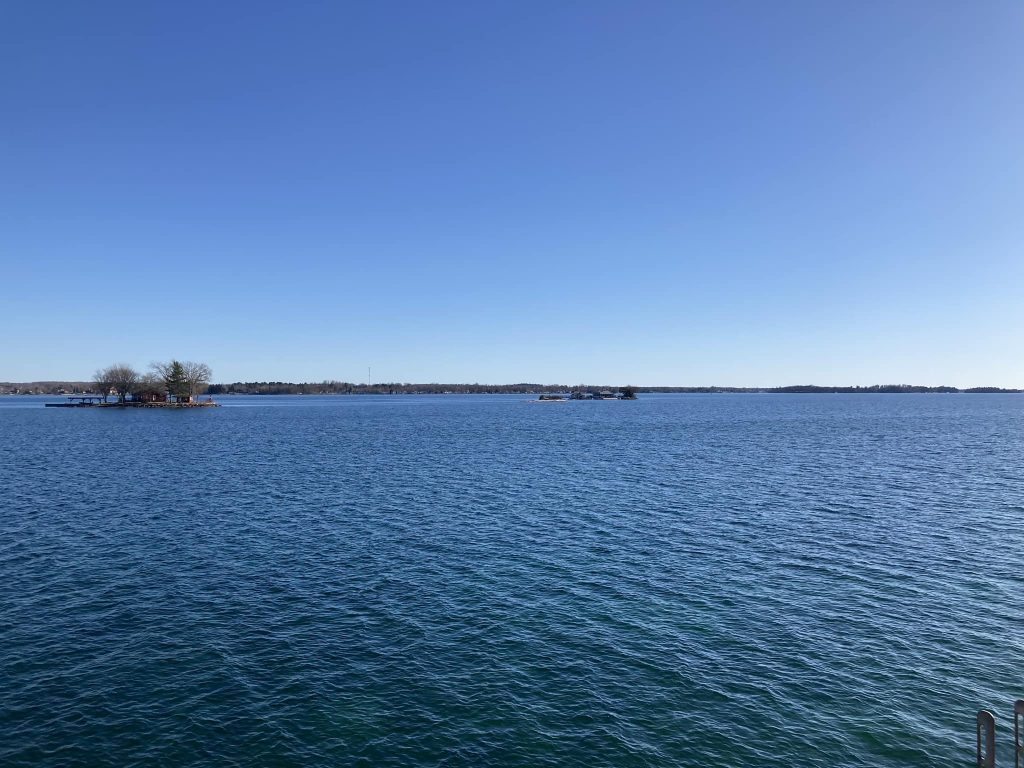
(172, 384)
(197, 388)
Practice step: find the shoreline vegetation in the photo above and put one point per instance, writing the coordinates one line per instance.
(198, 388)
(177, 384)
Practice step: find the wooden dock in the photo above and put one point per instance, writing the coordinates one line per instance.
(78, 401)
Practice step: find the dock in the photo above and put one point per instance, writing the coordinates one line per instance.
(78, 401)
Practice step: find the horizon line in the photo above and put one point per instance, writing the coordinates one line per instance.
(668, 388)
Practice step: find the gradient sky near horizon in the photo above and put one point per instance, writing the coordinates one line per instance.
(677, 193)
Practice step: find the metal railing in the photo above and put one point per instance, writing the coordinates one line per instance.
(987, 737)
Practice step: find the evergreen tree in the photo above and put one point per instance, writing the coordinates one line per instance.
(176, 380)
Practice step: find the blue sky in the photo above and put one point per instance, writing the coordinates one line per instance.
(679, 193)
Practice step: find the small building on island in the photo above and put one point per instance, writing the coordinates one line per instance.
(150, 394)
(161, 395)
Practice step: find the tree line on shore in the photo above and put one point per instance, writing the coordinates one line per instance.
(395, 388)
(348, 388)
(181, 380)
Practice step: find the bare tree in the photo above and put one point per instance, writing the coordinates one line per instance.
(119, 377)
(160, 370)
(184, 379)
(197, 376)
(102, 381)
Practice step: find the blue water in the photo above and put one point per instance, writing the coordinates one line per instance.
(693, 580)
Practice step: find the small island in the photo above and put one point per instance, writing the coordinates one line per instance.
(625, 393)
(176, 384)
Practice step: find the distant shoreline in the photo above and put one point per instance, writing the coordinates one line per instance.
(346, 388)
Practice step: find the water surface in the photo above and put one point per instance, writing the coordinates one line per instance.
(692, 580)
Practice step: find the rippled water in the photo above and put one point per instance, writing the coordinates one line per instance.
(713, 580)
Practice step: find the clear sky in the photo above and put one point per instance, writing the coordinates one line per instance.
(681, 193)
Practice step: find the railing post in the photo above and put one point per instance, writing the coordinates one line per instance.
(1018, 727)
(986, 739)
